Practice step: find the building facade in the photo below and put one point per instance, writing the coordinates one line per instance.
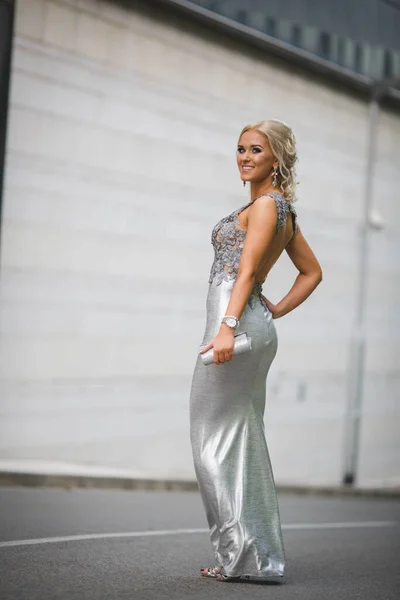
(123, 123)
(361, 36)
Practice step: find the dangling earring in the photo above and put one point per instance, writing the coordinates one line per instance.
(244, 183)
(275, 178)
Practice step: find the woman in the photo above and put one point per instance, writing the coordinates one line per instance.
(227, 398)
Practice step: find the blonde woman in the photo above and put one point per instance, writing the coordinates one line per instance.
(227, 398)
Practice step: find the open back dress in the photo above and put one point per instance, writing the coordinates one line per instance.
(227, 403)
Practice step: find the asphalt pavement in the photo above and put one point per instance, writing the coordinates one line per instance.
(106, 545)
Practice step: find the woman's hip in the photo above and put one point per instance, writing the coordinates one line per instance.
(256, 318)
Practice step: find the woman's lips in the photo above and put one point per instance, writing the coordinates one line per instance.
(247, 168)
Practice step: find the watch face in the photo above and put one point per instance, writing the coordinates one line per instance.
(230, 322)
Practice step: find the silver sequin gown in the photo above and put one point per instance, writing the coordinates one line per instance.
(227, 402)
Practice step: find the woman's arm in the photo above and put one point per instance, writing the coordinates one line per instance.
(310, 275)
(261, 227)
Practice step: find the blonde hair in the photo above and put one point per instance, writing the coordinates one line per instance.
(283, 145)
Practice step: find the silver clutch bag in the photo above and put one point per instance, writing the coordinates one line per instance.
(241, 344)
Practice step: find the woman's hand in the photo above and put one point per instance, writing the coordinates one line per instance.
(223, 346)
(273, 308)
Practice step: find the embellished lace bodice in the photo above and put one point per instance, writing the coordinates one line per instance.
(228, 240)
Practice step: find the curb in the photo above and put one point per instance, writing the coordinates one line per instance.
(17, 479)
(69, 482)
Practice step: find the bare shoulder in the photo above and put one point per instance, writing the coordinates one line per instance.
(264, 202)
(263, 209)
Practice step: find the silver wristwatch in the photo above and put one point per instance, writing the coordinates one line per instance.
(231, 321)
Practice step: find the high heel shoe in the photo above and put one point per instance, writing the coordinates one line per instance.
(211, 571)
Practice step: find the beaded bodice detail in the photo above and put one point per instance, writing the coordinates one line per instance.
(228, 240)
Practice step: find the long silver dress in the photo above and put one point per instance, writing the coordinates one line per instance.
(227, 402)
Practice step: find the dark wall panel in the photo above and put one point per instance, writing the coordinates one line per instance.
(375, 22)
(6, 28)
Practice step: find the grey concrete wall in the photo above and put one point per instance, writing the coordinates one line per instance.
(120, 159)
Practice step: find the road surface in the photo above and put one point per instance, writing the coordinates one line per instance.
(95, 545)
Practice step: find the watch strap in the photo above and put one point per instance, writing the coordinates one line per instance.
(226, 317)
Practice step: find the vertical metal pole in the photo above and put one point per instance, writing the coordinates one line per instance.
(357, 372)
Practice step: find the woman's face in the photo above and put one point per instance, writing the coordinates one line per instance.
(254, 156)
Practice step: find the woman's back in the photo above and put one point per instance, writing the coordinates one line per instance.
(229, 235)
(286, 229)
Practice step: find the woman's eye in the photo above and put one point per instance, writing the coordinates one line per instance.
(241, 150)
